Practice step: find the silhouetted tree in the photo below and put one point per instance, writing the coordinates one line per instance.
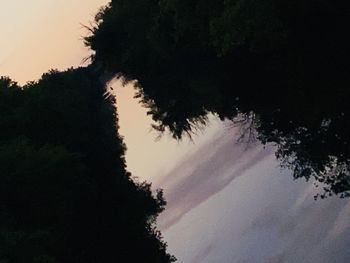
(65, 193)
(286, 62)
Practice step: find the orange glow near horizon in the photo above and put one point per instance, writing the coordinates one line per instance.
(39, 35)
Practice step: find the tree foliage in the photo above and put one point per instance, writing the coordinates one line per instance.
(65, 193)
(285, 63)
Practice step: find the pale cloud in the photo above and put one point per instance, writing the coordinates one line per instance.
(188, 185)
(257, 215)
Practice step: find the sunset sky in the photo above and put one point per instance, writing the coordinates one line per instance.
(40, 35)
(227, 203)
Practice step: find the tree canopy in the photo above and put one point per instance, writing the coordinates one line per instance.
(281, 65)
(65, 193)
(276, 67)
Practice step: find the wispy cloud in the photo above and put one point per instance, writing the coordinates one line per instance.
(206, 173)
(231, 204)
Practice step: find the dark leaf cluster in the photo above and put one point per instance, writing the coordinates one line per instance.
(65, 193)
(284, 61)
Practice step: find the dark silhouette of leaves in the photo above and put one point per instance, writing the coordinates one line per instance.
(285, 62)
(65, 193)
